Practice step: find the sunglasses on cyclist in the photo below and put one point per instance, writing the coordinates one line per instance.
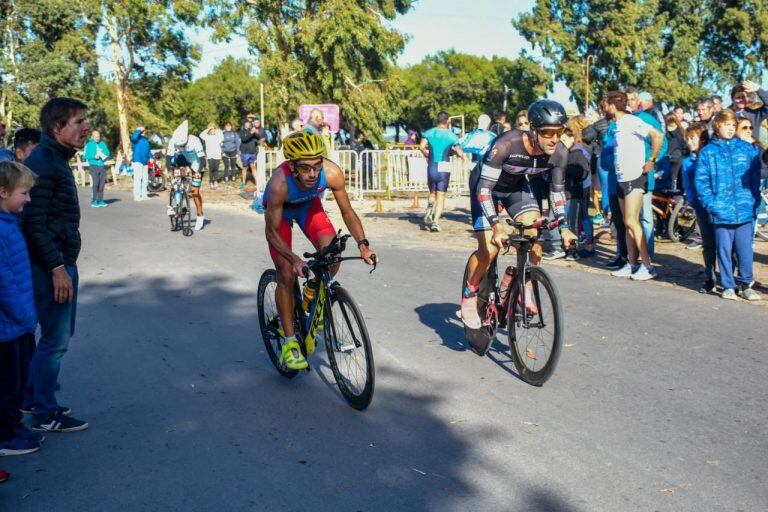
(550, 133)
(305, 168)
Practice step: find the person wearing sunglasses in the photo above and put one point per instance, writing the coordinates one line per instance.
(742, 96)
(293, 195)
(632, 169)
(511, 173)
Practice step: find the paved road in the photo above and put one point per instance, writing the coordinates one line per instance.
(660, 404)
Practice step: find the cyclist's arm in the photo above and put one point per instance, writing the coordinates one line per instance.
(334, 176)
(557, 197)
(278, 194)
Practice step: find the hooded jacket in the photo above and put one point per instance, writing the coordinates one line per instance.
(17, 299)
(727, 180)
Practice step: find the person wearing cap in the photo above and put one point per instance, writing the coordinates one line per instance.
(139, 160)
(412, 140)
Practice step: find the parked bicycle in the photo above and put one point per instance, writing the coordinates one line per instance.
(332, 311)
(674, 216)
(179, 211)
(534, 323)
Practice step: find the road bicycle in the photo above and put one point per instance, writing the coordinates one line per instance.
(332, 315)
(179, 211)
(534, 323)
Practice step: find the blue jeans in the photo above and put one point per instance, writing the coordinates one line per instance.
(605, 204)
(57, 325)
(736, 238)
(647, 220)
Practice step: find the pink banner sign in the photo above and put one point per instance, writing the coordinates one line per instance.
(330, 113)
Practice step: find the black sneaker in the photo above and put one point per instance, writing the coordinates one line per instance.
(615, 264)
(57, 422)
(18, 446)
(572, 255)
(66, 411)
(21, 431)
(708, 287)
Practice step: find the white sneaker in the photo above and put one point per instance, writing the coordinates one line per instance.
(644, 273)
(170, 211)
(625, 271)
(199, 222)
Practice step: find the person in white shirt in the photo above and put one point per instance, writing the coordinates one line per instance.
(213, 137)
(631, 174)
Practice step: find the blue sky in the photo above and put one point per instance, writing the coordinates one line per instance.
(478, 27)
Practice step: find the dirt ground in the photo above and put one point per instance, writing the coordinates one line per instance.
(400, 222)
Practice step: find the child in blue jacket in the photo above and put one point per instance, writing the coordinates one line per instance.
(18, 317)
(727, 181)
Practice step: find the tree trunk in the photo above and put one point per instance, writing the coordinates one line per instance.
(121, 90)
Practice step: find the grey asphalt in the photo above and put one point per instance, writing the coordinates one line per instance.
(658, 403)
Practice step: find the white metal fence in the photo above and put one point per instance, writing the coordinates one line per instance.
(370, 173)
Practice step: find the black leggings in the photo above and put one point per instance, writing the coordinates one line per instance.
(14, 372)
(618, 222)
(231, 169)
(213, 166)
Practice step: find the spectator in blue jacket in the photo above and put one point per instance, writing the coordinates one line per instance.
(18, 316)
(141, 156)
(95, 153)
(727, 181)
(697, 136)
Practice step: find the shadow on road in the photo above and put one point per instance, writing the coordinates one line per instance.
(442, 318)
(187, 413)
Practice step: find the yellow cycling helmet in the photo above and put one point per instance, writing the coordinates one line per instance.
(303, 145)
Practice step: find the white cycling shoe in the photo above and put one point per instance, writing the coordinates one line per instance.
(199, 222)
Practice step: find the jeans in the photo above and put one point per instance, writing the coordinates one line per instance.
(57, 325)
(577, 213)
(140, 179)
(550, 238)
(709, 245)
(605, 203)
(647, 220)
(736, 237)
(98, 179)
(13, 370)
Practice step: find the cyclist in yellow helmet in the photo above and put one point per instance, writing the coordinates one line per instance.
(293, 194)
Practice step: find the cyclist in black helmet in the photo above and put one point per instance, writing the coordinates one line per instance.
(513, 173)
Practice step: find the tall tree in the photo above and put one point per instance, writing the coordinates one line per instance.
(333, 51)
(467, 85)
(679, 49)
(146, 41)
(47, 50)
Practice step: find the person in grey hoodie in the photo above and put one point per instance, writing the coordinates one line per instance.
(230, 149)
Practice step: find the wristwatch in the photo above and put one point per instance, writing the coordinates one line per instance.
(365, 242)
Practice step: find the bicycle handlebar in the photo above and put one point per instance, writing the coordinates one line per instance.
(329, 255)
(540, 223)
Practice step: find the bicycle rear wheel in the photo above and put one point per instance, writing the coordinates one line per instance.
(349, 349)
(682, 222)
(535, 337)
(480, 339)
(269, 320)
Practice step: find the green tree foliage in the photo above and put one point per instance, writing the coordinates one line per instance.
(229, 92)
(466, 84)
(678, 49)
(48, 49)
(333, 51)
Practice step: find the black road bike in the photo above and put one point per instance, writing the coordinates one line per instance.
(534, 323)
(332, 315)
(179, 211)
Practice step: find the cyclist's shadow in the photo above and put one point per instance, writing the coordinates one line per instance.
(442, 317)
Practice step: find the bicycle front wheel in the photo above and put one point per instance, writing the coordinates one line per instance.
(349, 349)
(536, 328)
(186, 219)
(269, 320)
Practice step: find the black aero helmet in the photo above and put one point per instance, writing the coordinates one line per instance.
(546, 112)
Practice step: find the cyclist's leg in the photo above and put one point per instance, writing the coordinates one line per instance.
(486, 251)
(194, 191)
(317, 227)
(284, 298)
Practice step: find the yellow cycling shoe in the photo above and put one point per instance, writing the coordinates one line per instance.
(292, 358)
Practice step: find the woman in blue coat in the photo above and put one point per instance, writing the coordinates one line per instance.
(727, 181)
